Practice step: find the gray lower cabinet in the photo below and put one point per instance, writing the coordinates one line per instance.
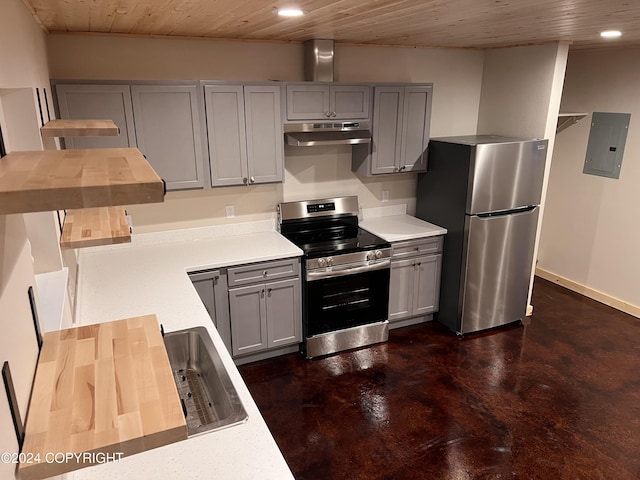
(313, 101)
(245, 135)
(415, 279)
(400, 131)
(169, 132)
(82, 102)
(211, 286)
(265, 315)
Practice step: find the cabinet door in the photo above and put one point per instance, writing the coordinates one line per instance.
(85, 102)
(401, 289)
(284, 315)
(211, 287)
(205, 288)
(226, 134)
(247, 307)
(168, 129)
(415, 131)
(265, 139)
(308, 102)
(350, 101)
(426, 290)
(387, 129)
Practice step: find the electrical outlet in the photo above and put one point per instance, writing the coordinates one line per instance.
(385, 195)
(230, 211)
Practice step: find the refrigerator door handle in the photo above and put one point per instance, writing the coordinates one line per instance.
(526, 209)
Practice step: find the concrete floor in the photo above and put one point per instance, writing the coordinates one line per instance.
(556, 399)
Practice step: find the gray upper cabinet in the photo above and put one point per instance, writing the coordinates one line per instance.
(400, 130)
(169, 132)
(244, 127)
(224, 105)
(265, 140)
(321, 102)
(112, 102)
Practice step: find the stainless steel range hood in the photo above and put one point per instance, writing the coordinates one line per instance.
(336, 133)
(319, 56)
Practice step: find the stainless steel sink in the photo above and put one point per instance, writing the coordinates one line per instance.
(209, 399)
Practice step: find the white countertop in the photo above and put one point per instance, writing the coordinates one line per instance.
(150, 276)
(395, 228)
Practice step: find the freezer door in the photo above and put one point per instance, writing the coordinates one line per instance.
(504, 176)
(499, 257)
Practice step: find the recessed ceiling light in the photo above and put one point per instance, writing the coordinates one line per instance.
(610, 34)
(290, 12)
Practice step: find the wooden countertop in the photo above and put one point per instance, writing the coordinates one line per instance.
(65, 179)
(79, 128)
(103, 388)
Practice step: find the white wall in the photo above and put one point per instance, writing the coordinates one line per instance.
(591, 232)
(521, 91)
(320, 172)
(22, 66)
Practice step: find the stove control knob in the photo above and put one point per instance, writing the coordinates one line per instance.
(378, 254)
(329, 261)
(371, 256)
(322, 262)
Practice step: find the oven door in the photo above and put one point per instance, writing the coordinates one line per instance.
(346, 297)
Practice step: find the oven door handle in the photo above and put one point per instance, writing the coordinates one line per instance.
(341, 272)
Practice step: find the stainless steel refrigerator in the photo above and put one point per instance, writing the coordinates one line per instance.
(485, 190)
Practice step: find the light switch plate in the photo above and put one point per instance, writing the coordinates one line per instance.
(385, 195)
(230, 211)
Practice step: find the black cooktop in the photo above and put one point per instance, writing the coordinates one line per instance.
(331, 236)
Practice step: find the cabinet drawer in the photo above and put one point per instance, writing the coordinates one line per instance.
(259, 272)
(417, 247)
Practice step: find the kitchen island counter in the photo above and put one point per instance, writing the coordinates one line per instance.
(149, 276)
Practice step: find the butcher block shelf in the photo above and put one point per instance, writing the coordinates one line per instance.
(104, 388)
(91, 227)
(80, 128)
(66, 179)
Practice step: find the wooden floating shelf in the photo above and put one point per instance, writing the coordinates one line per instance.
(91, 227)
(65, 179)
(105, 388)
(80, 128)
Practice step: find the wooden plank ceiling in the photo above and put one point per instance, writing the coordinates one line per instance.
(428, 23)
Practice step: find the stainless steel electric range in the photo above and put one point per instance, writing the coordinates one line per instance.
(346, 275)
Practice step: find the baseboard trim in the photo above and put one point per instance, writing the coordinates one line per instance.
(590, 292)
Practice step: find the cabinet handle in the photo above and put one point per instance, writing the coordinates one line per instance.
(402, 168)
(269, 291)
(333, 114)
(253, 179)
(245, 180)
(328, 114)
(215, 279)
(264, 274)
(419, 263)
(262, 293)
(416, 249)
